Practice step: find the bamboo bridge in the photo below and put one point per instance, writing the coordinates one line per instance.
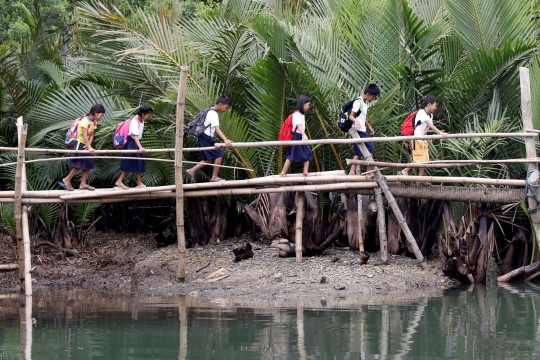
(484, 190)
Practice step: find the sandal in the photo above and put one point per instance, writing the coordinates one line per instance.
(400, 173)
(65, 186)
(142, 186)
(218, 179)
(121, 186)
(87, 187)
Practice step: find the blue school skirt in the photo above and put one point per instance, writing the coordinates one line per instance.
(84, 164)
(136, 166)
(206, 141)
(369, 145)
(300, 153)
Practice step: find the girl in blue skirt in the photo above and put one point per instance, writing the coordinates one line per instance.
(85, 136)
(136, 127)
(299, 153)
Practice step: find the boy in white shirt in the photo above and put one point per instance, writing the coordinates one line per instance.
(358, 116)
(207, 139)
(422, 123)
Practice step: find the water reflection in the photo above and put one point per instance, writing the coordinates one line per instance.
(495, 323)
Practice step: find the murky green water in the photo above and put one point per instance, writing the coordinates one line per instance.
(479, 323)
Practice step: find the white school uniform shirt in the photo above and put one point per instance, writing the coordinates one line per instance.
(136, 127)
(298, 119)
(360, 108)
(421, 123)
(211, 121)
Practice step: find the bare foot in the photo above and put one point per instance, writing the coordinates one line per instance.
(308, 174)
(282, 175)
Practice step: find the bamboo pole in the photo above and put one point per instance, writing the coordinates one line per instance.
(392, 202)
(21, 132)
(381, 221)
(179, 144)
(475, 194)
(8, 267)
(363, 256)
(290, 143)
(530, 143)
(440, 163)
(27, 253)
(299, 222)
(364, 140)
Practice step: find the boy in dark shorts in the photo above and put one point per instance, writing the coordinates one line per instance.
(207, 139)
(359, 117)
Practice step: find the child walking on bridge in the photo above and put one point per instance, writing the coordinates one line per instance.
(135, 132)
(299, 153)
(358, 116)
(422, 124)
(206, 139)
(85, 136)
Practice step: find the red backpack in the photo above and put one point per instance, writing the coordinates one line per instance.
(408, 126)
(286, 132)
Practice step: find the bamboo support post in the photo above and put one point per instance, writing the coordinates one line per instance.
(363, 256)
(299, 222)
(530, 143)
(381, 221)
(392, 202)
(179, 144)
(21, 215)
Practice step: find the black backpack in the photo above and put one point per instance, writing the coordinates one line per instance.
(344, 123)
(196, 126)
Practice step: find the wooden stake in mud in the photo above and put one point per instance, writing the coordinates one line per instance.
(179, 144)
(392, 202)
(364, 256)
(530, 143)
(299, 223)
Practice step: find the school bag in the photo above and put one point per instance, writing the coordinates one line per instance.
(121, 133)
(409, 124)
(286, 131)
(73, 132)
(196, 126)
(344, 123)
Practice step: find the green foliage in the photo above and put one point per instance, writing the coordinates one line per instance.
(263, 55)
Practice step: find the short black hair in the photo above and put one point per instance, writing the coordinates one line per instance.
(223, 99)
(430, 99)
(97, 109)
(145, 109)
(372, 89)
(302, 100)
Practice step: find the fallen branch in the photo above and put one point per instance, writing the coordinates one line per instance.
(48, 243)
(521, 273)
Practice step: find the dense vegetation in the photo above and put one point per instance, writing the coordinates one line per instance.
(58, 57)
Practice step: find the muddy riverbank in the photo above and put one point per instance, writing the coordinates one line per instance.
(134, 264)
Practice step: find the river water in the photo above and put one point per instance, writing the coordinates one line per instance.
(465, 323)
